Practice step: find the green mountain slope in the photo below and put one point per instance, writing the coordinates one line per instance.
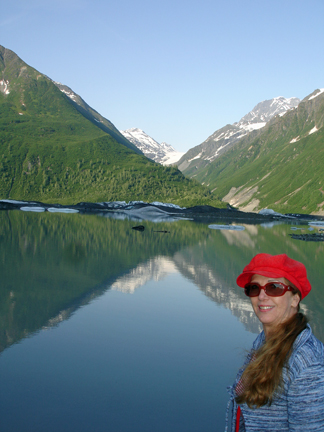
(54, 150)
(96, 118)
(281, 169)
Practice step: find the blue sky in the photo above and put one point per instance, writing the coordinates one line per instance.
(177, 69)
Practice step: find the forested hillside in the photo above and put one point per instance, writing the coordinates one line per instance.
(51, 152)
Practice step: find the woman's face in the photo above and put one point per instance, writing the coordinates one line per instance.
(273, 311)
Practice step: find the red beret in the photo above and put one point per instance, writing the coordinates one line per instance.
(275, 266)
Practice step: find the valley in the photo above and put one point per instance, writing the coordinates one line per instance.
(56, 148)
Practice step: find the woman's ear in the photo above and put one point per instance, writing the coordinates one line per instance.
(295, 300)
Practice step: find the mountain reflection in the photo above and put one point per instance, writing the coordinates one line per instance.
(213, 285)
(155, 269)
(203, 277)
(247, 238)
(52, 264)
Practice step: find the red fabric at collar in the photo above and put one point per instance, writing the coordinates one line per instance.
(238, 415)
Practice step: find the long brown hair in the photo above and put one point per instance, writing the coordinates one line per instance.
(263, 375)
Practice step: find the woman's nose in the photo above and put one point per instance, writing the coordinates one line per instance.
(262, 294)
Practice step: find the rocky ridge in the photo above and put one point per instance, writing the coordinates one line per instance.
(223, 139)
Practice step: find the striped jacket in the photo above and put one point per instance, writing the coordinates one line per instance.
(300, 406)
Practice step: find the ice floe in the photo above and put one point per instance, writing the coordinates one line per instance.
(132, 210)
(62, 210)
(13, 201)
(151, 213)
(273, 213)
(317, 224)
(32, 209)
(157, 203)
(227, 227)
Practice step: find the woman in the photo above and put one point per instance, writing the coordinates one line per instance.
(281, 384)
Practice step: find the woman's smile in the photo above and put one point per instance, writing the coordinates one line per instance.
(265, 308)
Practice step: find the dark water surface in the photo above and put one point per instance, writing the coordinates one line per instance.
(103, 328)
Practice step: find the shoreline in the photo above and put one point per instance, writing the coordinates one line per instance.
(197, 213)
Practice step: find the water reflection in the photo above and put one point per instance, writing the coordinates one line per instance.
(53, 264)
(155, 269)
(145, 327)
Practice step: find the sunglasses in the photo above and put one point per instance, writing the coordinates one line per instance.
(272, 289)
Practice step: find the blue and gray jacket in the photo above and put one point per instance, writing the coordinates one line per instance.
(300, 406)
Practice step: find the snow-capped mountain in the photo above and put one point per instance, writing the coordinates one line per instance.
(221, 140)
(264, 111)
(162, 153)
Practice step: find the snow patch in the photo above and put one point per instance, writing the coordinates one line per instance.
(294, 140)
(196, 157)
(253, 126)
(4, 86)
(70, 94)
(229, 134)
(317, 94)
(172, 158)
(219, 137)
(211, 158)
(313, 130)
(264, 111)
(162, 153)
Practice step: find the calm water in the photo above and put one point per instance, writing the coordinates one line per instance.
(103, 328)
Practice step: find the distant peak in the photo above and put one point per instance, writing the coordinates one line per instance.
(162, 153)
(134, 129)
(265, 110)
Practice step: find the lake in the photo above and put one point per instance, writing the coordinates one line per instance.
(105, 328)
